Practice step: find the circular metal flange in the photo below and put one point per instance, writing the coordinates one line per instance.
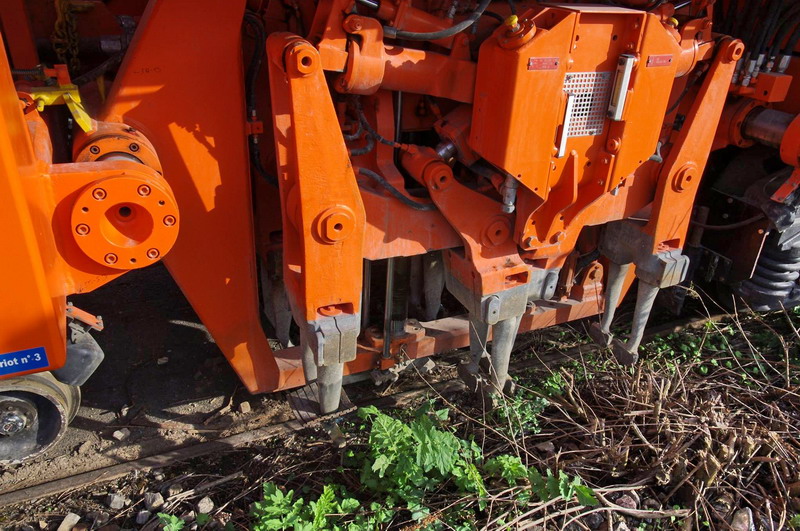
(117, 141)
(125, 221)
(34, 413)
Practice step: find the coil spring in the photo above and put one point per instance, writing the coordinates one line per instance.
(776, 272)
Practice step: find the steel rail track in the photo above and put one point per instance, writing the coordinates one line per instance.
(161, 460)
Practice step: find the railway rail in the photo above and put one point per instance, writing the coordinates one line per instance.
(224, 444)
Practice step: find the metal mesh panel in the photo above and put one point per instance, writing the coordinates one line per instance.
(592, 91)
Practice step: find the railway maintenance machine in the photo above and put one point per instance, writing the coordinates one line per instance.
(350, 186)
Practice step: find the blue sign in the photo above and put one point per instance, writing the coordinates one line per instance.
(23, 361)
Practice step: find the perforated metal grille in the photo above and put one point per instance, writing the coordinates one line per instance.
(592, 91)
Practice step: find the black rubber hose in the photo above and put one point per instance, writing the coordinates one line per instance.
(492, 14)
(791, 44)
(773, 14)
(355, 134)
(394, 33)
(751, 22)
(255, 160)
(790, 20)
(99, 70)
(363, 150)
(512, 5)
(251, 75)
(397, 194)
(252, 20)
(363, 119)
(728, 17)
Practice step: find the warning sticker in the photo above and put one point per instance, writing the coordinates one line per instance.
(23, 360)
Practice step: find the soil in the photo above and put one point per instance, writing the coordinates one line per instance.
(151, 337)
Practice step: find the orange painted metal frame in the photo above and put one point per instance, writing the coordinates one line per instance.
(323, 216)
(37, 315)
(197, 124)
(196, 152)
(59, 226)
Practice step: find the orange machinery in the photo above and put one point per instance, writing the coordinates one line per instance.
(518, 156)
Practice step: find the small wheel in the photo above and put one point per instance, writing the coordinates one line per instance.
(35, 411)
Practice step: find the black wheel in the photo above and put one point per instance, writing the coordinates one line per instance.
(35, 411)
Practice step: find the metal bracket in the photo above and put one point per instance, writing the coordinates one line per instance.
(333, 339)
(93, 322)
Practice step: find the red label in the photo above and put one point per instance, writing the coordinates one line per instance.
(542, 63)
(659, 60)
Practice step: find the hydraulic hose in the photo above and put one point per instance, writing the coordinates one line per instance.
(791, 44)
(395, 33)
(766, 30)
(254, 22)
(495, 16)
(370, 144)
(397, 194)
(355, 134)
(790, 20)
(372, 132)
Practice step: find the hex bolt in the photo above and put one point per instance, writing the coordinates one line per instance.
(134, 147)
(152, 254)
(94, 150)
(169, 221)
(111, 258)
(99, 194)
(143, 190)
(11, 423)
(82, 229)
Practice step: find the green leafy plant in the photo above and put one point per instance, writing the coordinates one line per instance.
(507, 467)
(551, 486)
(794, 522)
(408, 460)
(171, 522)
(277, 510)
(403, 462)
(520, 413)
(280, 510)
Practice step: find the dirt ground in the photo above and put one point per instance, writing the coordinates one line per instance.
(152, 336)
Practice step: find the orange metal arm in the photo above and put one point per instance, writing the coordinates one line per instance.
(683, 167)
(371, 65)
(196, 121)
(491, 263)
(323, 216)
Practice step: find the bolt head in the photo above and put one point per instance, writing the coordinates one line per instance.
(82, 229)
(94, 150)
(497, 232)
(143, 190)
(134, 147)
(152, 253)
(110, 258)
(335, 226)
(169, 221)
(99, 194)
(12, 423)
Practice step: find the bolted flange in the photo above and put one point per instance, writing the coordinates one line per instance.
(126, 221)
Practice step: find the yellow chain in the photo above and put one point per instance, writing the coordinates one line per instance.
(65, 35)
